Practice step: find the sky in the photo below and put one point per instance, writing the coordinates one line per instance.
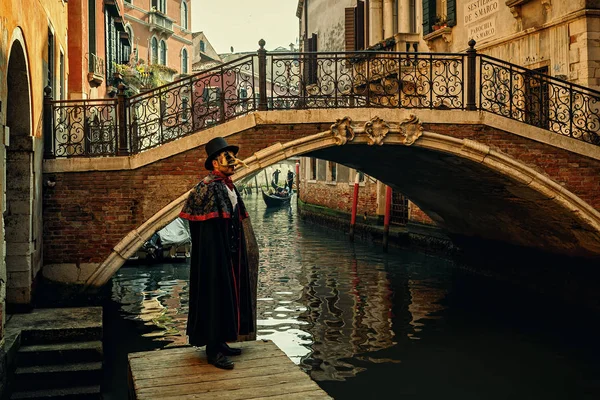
(242, 23)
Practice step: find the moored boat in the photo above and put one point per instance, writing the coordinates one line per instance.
(276, 199)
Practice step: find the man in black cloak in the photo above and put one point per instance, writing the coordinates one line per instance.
(220, 306)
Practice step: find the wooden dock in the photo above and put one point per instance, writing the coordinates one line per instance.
(262, 371)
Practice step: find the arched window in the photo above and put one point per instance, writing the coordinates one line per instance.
(184, 61)
(184, 15)
(163, 52)
(154, 50)
(202, 47)
(129, 48)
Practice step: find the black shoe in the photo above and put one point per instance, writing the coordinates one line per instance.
(230, 351)
(220, 361)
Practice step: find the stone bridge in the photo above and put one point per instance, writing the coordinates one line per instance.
(488, 167)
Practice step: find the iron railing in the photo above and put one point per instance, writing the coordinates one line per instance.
(82, 128)
(539, 100)
(279, 81)
(191, 104)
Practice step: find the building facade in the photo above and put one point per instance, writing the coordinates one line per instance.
(554, 38)
(160, 33)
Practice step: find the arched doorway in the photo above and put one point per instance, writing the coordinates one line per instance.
(18, 210)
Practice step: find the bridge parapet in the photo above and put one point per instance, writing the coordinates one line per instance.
(320, 80)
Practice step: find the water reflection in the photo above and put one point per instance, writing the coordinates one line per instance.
(321, 299)
(362, 322)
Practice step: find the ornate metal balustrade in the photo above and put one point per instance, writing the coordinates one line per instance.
(185, 106)
(367, 79)
(540, 100)
(82, 128)
(279, 81)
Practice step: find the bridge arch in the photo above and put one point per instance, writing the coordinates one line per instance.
(579, 222)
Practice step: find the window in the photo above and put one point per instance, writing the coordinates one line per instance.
(154, 51)
(129, 49)
(211, 94)
(160, 5)
(51, 59)
(61, 77)
(355, 27)
(184, 15)
(184, 61)
(313, 168)
(92, 26)
(331, 171)
(310, 72)
(202, 46)
(163, 52)
(435, 11)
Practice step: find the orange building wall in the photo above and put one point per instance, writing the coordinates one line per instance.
(32, 18)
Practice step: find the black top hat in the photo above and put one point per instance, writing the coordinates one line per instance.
(214, 147)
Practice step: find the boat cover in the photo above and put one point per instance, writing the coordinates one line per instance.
(176, 233)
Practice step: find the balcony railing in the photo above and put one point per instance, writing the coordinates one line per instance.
(159, 22)
(95, 70)
(320, 80)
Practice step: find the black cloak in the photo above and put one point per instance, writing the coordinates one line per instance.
(220, 304)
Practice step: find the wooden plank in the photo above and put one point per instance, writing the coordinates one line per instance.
(205, 368)
(226, 384)
(199, 356)
(261, 371)
(200, 377)
(310, 395)
(242, 394)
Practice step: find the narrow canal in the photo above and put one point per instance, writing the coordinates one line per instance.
(364, 324)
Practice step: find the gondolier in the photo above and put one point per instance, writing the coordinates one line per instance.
(220, 307)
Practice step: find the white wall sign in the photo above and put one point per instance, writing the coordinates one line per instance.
(483, 30)
(479, 9)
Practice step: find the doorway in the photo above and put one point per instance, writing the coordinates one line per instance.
(18, 200)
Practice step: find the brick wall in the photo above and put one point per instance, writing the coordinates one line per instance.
(579, 174)
(87, 213)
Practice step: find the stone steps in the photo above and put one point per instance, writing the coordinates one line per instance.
(60, 356)
(53, 353)
(78, 393)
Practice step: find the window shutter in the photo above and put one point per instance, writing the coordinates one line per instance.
(428, 15)
(451, 11)
(350, 28)
(359, 26)
(313, 64)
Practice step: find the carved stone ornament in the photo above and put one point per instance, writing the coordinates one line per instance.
(411, 128)
(376, 129)
(341, 131)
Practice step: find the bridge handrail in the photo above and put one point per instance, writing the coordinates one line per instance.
(538, 99)
(198, 74)
(294, 80)
(545, 76)
(177, 109)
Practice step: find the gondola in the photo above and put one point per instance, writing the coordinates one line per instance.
(272, 200)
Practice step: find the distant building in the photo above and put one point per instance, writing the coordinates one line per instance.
(204, 55)
(160, 33)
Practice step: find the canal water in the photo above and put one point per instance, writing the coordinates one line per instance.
(366, 324)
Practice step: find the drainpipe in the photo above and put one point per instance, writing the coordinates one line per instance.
(354, 207)
(386, 219)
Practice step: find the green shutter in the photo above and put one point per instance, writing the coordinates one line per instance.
(428, 15)
(451, 11)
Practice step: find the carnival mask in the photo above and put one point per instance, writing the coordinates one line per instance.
(228, 159)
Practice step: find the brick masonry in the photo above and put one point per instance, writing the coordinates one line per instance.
(87, 213)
